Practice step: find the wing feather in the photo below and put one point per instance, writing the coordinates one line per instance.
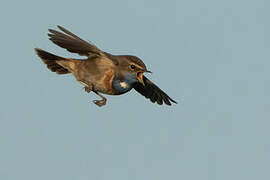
(75, 44)
(153, 92)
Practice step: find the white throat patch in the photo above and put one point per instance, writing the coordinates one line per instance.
(124, 85)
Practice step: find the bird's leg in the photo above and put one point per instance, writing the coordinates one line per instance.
(101, 102)
(87, 89)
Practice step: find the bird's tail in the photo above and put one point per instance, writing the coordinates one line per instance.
(52, 61)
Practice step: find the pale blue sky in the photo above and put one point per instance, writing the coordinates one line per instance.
(211, 56)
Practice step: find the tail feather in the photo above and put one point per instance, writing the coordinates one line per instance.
(51, 61)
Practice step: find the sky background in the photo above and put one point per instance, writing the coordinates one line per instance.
(211, 56)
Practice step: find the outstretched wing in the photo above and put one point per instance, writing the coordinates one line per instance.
(75, 44)
(152, 92)
(72, 43)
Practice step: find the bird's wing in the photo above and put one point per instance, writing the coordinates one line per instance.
(154, 93)
(75, 44)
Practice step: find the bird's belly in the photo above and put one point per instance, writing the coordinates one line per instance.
(99, 82)
(97, 75)
(100, 87)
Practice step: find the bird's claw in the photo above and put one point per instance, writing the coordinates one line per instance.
(100, 102)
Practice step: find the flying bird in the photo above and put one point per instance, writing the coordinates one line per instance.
(101, 72)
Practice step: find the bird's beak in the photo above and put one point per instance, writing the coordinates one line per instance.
(140, 77)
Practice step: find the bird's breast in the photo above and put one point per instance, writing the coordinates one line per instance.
(124, 83)
(121, 87)
(114, 86)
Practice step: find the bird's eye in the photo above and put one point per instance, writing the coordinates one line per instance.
(132, 66)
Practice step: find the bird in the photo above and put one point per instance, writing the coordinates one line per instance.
(101, 72)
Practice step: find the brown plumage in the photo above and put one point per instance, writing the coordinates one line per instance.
(101, 72)
(50, 60)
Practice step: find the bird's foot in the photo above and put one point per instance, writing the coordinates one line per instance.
(100, 102)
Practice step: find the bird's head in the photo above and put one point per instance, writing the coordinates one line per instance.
(132, 68)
